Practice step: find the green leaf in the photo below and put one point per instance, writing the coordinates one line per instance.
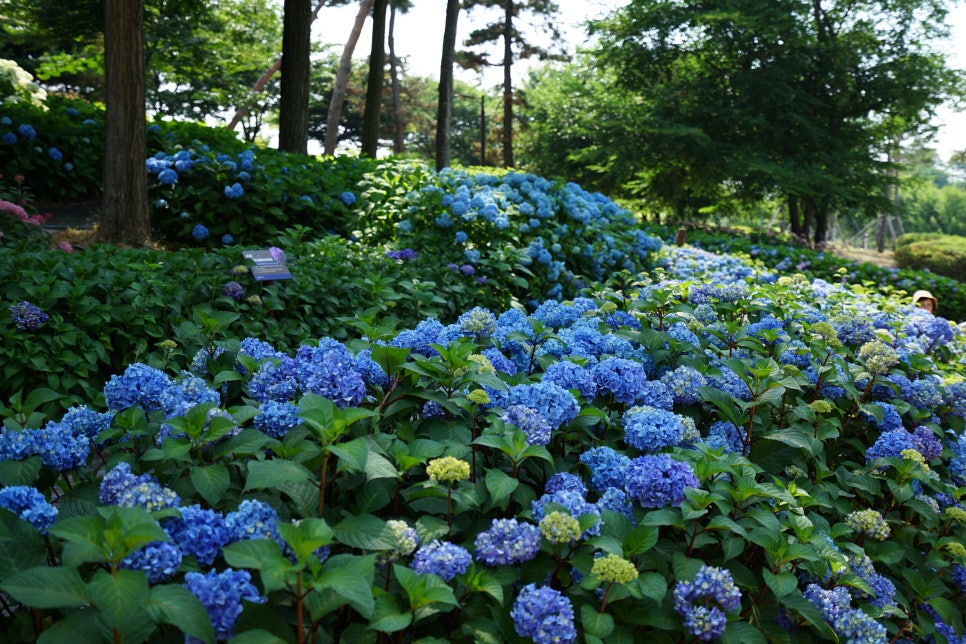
(178, 606)
(79, 626)
(500, 485)
(257, 636)
(596, 624)
(364, 531)
(264, 475)
(21, 546)
(210, 482)
(118, 596)
(44, 587)
(652, 585)
(264, 555)
(351, 577)
(780, 584)
(387, 618)
(742, 633)
(424, 590)
(19, 472)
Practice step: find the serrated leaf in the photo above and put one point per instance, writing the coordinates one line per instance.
(178, 606)
(210, 482)
(424, 590)
(742, 633)
(79, 626)
(500, 485)
(652, 585)
(780, 584)
(596, 624)
(43, 587)
(387, 618)
(264, 475)
(364, 531)
(21, 546)
(351, 577)
(19, 472)
(118, 595)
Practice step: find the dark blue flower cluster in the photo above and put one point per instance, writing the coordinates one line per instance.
(30, 505)
(544, 615)
(222, 595)
(649, 429)
(27, 316)
(507, 542)
(851, 624)
(441, 558)
(657, 480)
(705, 601)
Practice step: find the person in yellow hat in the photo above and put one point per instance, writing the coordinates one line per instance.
(925, 300)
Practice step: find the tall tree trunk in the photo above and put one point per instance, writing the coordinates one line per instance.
(293, 113)
(262, 81)
(794, 216)
(444, 114)
(342, 79)
(508, 88)
(377, 74)
(125, 215)
(399, 144)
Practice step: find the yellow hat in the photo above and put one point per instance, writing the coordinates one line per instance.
(924, 295)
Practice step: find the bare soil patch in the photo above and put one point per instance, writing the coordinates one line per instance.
(858, 254)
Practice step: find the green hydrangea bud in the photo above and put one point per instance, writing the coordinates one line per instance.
(478, 396)
(614, 569)
(870, 523)
(560, 527)
(448, 470)
(878, 356)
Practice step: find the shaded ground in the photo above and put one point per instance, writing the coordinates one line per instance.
(855, 253)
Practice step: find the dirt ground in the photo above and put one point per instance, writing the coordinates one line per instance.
(858, 254)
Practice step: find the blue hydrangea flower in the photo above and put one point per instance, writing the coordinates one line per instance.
(30, 505)
(683, 384)
(276, 418)
(534, 425)
(724, 433)
(227, 239)
(623, 379)
(234, 290)
(27, 316)
(607, 467)
(851, 624)
(347, 198)
(253, 519)
(574, 502)
(704, 601)
(557, 405)
(60, 448)
(159, 559)
(234, 191)
(544, 615)
(27, 131)
(926, 442)
(85, 421)
(199, 532)
(616, 500)
(140, 385)
(571, 375)
(650, 430)
(565, 482)
(222, 595)
(329, 370)
(507, 542)
(441, 558)
(168, 177)
(199, 232)
(55, 154)
(890, 445)
(657, 480)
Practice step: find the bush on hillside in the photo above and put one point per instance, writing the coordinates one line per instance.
(943, 256)
(911, 238)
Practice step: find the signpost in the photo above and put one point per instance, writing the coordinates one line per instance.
(267, 267)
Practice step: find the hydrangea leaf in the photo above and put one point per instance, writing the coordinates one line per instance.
(596, 624)
(387, 618)
(176, 605)
(44, 587)
(272, 473)
(210, 482)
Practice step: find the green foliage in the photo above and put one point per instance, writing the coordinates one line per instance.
(941, 254)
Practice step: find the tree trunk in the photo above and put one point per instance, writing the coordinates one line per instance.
(794, 216)
(125, 217)
(377, 73)
(342, 79)
(508, 88)
(293, 114)
(399, 144)
(262, 81)
(444, 114)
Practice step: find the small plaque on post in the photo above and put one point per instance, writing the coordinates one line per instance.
(267, 266)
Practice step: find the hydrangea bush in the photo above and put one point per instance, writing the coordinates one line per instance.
(778, 460)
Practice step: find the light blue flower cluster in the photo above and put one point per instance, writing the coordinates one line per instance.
(276, 419)
(621, 378)
(851, 624)
(30, 505)
(533, 424)
(120, 487)
(544, 615)
(253, 519)
(705, 601)
(61, 446)
(222, 595)
(507, 542)
(554, 403)
(607, 467)
(657, 480)
(198, 532)
(140, 385)
(649, 429)
(160, 560)
(441, 558)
